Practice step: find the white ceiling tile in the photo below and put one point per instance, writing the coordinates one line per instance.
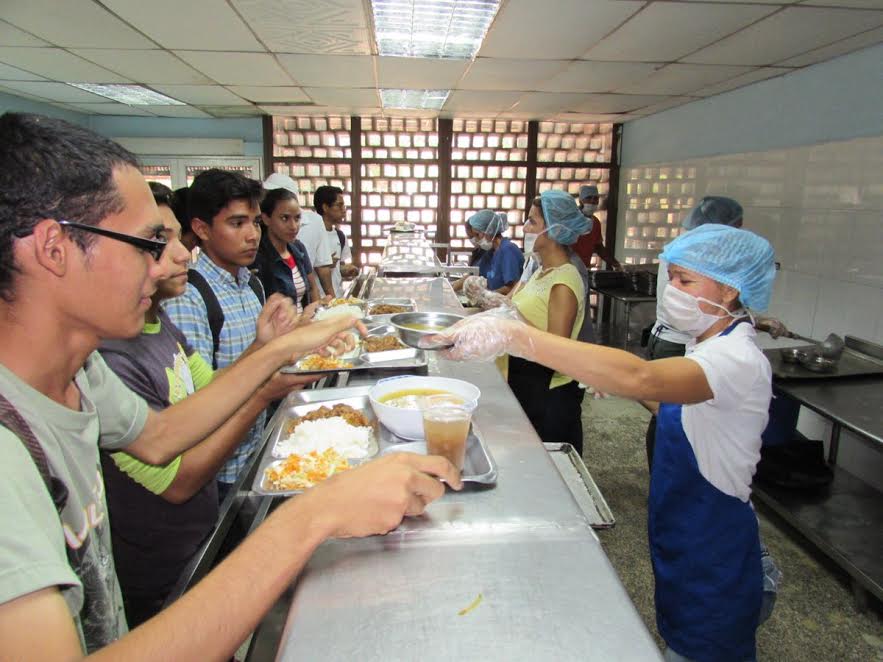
(233, 111)
(560, 32)
(504, 74)
(203, 25)
(142, 66)
(12, 36)
(343, 96)
(762, 73)
(665, 105)
(237, 68)
(330, 70)
(57, 64)
(470, 101)
(177, 111)
(419, 73)
(855, 4)
(618, 103)
(265, 95)
(331, 27)
(863, 40)
(14, 73)
(73, 23)
(791, 32)
(110, 108)
(53, 91)
(202, 95)
(549, 102)
(682, 79)
(588, 117)
(666, 31)
(289, 111)
(19, 93)
(585, 76)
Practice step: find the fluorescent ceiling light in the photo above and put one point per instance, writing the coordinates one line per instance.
(131, 95)
(432, 28)
(416, 99)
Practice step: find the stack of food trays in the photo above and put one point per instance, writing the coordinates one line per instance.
(317, 433)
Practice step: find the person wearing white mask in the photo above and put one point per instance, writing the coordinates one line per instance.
(502, 261)
(712, 407)
(592, 242)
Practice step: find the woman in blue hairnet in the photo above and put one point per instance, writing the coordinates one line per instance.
(502, 262)
(553, 299)
(712, 407)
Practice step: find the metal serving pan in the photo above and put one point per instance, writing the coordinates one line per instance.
(403, 359)
(581, 484)
(409, 306)
(479, 466)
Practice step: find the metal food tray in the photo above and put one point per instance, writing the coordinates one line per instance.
(408, 304)
(401, 359)
(581, 484)
(852, 363)
(479, 466)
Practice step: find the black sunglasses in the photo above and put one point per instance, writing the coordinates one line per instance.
(153, 246)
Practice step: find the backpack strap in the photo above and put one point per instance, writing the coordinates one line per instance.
(341, 237)
(257, 287)
(15, 423)
(213, 308)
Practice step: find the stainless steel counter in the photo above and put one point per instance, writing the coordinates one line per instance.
(409, 255)
(548, 590)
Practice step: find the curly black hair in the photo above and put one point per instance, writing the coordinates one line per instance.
(162, 194)
(214, 189)
(325, 195)
(50, 168)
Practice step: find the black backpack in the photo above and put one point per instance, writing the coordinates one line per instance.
(213, 306)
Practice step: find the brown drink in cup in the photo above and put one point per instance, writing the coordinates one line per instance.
(446, 428)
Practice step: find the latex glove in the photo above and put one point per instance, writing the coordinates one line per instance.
(489, 300)
(485, 336)
(772, 326)
(473, 287)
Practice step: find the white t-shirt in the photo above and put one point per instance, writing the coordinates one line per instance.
(724, 432)
(334, 246)
(662, 328)
(314, 237)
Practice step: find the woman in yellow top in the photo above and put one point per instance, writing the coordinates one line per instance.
(552, 300)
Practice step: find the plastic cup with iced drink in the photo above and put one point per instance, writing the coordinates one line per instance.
(446, 428)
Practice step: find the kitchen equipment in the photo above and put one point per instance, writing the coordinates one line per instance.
(818, 363)
(792, 354)
(831, 347)
(860, 357)
(609, 280)
(415, 328)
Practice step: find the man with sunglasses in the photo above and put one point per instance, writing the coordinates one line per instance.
(63, 288)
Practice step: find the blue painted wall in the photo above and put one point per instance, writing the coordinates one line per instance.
(835, 100)
(247, 129)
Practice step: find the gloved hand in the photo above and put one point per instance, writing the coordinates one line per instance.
(772, 326)
(473, 286)
(485, 336)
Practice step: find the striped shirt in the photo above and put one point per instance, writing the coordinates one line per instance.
(241, 309)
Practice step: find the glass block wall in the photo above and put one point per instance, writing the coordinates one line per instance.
(398, 165)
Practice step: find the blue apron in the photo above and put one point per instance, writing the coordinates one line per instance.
(705, 550)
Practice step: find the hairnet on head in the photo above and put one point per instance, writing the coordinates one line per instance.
(490, 222)
(278, 180)
(563, 218)
(738, 258)
(588, 191)
(714, 209)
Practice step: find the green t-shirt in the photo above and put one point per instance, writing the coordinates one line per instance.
(35, 543)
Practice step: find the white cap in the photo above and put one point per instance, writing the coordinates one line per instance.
(278, 180)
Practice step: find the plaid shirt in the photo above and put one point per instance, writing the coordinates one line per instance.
(241, 309)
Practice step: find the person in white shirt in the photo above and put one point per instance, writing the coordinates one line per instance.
(712, 407)
(329, 204)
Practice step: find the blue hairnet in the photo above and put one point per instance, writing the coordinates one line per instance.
(714, 209)
(738, 258)
(588, 191)
(563, 218)
(490, 222)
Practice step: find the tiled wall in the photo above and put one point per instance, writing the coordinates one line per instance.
(821, 206)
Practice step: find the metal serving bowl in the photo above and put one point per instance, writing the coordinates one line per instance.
(404, 323)
(793, 354)
(818, 363)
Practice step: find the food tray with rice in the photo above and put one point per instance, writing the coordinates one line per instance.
(382, 349)
(325, 430)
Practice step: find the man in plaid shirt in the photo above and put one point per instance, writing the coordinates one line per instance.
(224, 212)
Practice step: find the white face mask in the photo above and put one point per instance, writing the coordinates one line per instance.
(588, 209)
(682, 312)
(485, 244)
(530, 238)
(473, 241)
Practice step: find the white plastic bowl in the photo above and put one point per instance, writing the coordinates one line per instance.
(408, 423)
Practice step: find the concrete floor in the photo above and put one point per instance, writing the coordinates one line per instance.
(814, 617)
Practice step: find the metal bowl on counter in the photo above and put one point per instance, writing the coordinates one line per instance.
(416, 327)
(818, 363)
(793, 354)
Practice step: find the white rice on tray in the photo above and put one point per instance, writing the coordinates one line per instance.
(348, 440)
(340, 311)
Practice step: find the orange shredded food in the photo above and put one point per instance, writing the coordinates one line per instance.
(299, 472)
